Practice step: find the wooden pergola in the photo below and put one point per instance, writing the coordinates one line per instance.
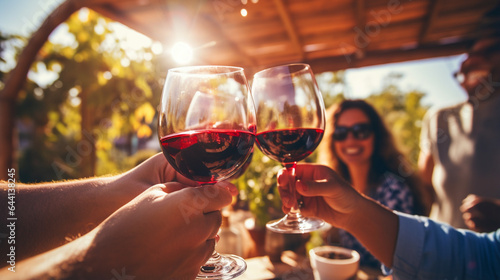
(327, 34)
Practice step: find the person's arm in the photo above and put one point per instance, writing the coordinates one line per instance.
(50, 214)
(158, 235)
(415, 247)
(426, 161)
(426, 249)
(426, 169)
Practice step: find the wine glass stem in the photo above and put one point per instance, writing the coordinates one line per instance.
(215, 257)
(212, 262)
(294, 215)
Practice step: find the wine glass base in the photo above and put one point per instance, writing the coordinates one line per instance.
(303, 225)
(227, 267)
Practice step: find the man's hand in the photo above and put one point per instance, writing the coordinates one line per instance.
(325, 194)
(481, 214)
(157, 235)
(155, 170)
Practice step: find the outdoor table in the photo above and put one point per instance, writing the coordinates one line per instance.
(294, 266)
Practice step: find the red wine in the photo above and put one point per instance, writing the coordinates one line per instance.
(289, 145)
(208, 156)
(244, 168)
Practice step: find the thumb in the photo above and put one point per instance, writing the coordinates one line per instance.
(335, 192)
(318, 180)
(310, 188)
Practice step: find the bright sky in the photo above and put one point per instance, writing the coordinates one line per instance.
(432, 76)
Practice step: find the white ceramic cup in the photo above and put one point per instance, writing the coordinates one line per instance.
(325, 268)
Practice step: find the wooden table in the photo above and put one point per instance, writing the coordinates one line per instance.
(293, 267)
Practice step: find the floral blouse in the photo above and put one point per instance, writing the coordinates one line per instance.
(394, 193)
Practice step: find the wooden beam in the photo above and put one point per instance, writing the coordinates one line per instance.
(432, 15)
(89, 3)
(108, 10)
(359, 14)
(290, 28)
(336, 63)
(222, 37)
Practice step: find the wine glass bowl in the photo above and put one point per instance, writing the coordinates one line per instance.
(290, 125)
(206, 128)
(207, 122)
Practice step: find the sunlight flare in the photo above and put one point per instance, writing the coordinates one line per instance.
(182, 53)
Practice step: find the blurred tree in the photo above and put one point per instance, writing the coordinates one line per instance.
(99, 91)
(3, 40)
(10, 46)
(332, 86)
(403, 112)
(258, 192)
(13, 82)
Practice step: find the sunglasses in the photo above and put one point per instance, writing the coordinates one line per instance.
(360, 131)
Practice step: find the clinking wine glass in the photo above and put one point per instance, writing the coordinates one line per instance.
(290, 125)
(206, 129)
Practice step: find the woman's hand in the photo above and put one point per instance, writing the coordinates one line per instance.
(329, 197)
(324, 193)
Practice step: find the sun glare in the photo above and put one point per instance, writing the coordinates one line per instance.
(83, 14)
(182, 53)
(157, 48)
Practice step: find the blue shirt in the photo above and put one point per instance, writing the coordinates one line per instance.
(426, 249)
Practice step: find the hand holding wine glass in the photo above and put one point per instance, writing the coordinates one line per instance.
(207, 131)
(290, 125)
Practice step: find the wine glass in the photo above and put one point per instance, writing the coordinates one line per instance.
(290, 125)
(206, 130)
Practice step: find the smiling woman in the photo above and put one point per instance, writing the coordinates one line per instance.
(358, 145)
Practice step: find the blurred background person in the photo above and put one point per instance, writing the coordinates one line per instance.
(459, 146)
(358, 145)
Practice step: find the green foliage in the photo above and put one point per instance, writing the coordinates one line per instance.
(258, 188)
(101, 91)
(10, 47)
(403, 114)
(332, 86)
